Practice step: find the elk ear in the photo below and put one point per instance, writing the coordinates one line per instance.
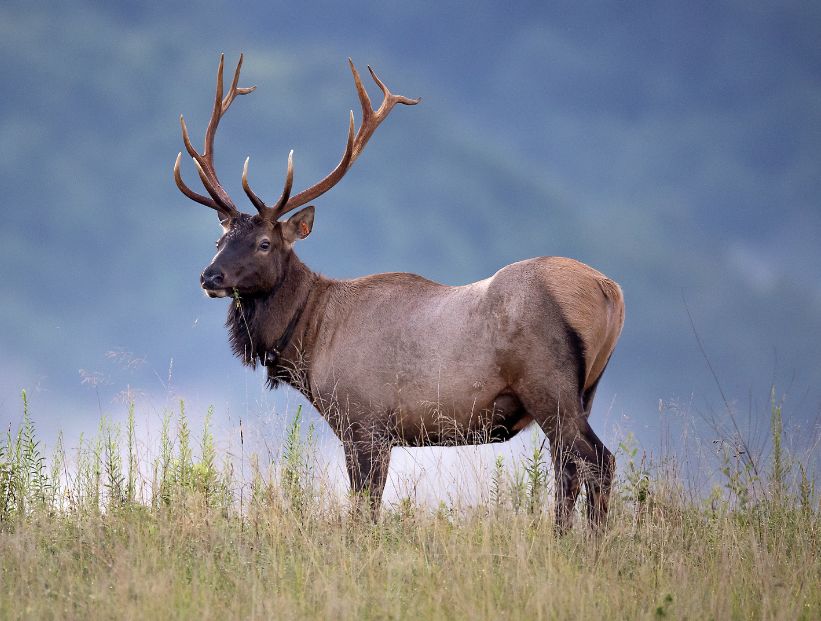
(299, 225)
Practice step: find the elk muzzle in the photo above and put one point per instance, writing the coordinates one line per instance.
(212, 280)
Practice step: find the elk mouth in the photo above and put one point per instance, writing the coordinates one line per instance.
(217, 293)
(213, 283)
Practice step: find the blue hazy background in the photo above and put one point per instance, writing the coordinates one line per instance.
(674, 146)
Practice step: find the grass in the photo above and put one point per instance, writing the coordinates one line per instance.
(176, 533)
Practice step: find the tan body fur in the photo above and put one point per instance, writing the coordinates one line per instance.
(447, 353)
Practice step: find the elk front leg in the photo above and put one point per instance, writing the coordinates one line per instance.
(367, 456)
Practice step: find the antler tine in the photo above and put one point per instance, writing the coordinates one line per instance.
(216, 114)
(186, 139)
(286, 190)
(217, 193)
(270, 213)
(362, 93)
(204, 162)
(256, 200)
(194, 196)
(371, 119)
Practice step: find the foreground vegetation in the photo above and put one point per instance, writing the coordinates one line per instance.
(112, 532)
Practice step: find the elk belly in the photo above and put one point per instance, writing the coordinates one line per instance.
(439, 424)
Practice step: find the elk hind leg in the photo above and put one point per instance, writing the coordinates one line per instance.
(578, 455)
(598, 490)
(567, 485)
(601, 466)
(551, 417)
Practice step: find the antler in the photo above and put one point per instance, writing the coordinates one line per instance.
(371, 119)
(204, 162)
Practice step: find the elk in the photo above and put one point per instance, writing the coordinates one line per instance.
(395, 359)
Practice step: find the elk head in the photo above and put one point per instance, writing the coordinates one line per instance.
(254, 250)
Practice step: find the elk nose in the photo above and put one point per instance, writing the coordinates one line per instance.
(212, 279)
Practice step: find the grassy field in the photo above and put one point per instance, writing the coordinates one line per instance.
(112, 532)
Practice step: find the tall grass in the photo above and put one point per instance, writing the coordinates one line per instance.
(176, 532)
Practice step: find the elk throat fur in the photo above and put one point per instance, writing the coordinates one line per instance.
(257, 324)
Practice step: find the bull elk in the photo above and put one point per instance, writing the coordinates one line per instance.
(397, 360)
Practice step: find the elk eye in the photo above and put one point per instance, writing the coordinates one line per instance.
(264, 244)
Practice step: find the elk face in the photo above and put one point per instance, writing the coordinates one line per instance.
(252, 254)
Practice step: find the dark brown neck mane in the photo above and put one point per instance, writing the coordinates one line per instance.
(269, 328)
